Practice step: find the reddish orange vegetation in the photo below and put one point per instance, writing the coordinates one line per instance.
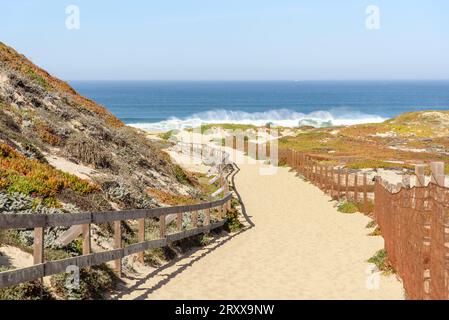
(47, 134)
(31, 177)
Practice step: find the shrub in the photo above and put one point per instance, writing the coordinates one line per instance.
(154, 257)
(181, 175)
(35, 152)
(380, 259)
(167, 135)
(32, 290)
(89, 152)
(371, 224)
(233, 223)
(348, 207)
(94, 282)
(170, 198)
(47, 134)
(36, 78)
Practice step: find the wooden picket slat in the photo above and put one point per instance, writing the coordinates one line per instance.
(347, 184)
(179, 222)
(365, 193)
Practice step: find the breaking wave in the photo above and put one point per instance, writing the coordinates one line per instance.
(279, 117)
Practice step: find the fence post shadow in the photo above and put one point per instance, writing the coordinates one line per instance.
(182, 267)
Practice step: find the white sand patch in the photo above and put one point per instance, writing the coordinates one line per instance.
(153, 136)
(3, 78)
(415, 150)
(389, 134)
(188, 163)
(335, 132)
(65, 165)
(15, 258)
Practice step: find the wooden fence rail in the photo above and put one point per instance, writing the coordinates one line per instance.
(39, 222)
(43, 269)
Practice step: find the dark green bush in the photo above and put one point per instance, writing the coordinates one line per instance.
(233, 223)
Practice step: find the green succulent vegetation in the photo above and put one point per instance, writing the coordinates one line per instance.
(167, 135)
(37, 78)
(348, 207)
(380, 260)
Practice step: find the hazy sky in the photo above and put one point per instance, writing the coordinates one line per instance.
(232, 39)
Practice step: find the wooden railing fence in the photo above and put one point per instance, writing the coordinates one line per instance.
(39, 222)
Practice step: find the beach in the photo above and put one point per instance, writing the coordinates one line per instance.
(300, 248)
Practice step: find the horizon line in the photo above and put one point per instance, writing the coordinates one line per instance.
(254, 80)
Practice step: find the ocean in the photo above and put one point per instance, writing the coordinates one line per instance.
(166, 105)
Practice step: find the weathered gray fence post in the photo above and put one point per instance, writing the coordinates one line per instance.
(179, 222)
(86, 239)
(365, 193)
(141, 235)
(118, 245)
(195, 219)
(38, 252)
(162, 226)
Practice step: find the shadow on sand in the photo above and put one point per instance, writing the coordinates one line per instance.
(217, 243)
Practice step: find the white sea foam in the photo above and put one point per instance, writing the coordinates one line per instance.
(279, 117)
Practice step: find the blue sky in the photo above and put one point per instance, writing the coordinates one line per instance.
(232, 39)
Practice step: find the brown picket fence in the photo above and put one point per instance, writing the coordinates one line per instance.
(414, 222)
(339, 183)
(415, 226)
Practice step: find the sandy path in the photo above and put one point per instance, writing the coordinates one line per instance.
(301, 248)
